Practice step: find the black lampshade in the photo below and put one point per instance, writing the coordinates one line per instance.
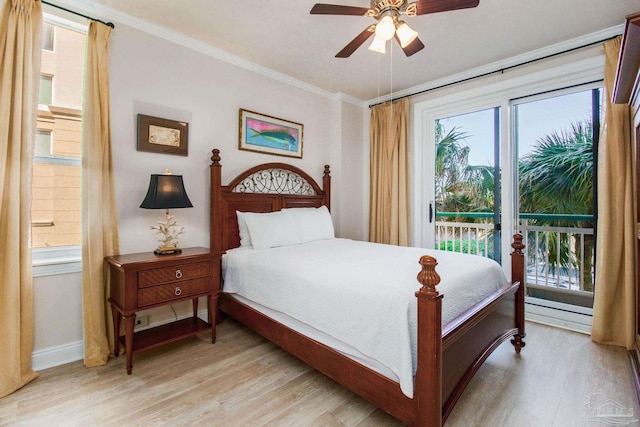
(166, 192)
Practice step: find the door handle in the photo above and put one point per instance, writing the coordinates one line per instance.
(430, 212)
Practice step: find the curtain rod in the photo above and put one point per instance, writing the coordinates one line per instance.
(77, 13)
(501, 70)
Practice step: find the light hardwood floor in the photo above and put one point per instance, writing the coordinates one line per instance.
(243, 380)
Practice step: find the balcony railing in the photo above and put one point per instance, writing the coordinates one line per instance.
(465, 237)
(558, 257)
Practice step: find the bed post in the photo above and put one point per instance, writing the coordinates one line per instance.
(427, 393)
(517, 275)
(326, 187)
(215, 211)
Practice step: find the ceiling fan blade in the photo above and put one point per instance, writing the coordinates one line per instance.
(414, 47)
(335, 9)
(433, 6)
(357, 42)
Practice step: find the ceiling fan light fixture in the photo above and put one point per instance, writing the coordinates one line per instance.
(378, 44)
(385, 29)
(405, 34)
(387, 13)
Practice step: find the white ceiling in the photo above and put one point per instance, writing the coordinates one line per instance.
(282, 36)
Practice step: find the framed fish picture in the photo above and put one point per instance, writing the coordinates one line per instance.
(270, 135)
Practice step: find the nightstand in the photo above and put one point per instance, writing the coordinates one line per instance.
(142, 281)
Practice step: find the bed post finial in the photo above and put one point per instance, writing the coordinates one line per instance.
(517, 244)
(215, 157)
(326, 170)
(428, 277)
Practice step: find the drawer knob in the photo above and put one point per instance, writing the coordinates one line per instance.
(178, 274)
(178, 291)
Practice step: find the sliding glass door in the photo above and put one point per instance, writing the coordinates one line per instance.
(556, 137)
(464, 214)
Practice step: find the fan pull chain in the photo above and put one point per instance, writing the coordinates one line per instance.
(378, 76)
(391, 74)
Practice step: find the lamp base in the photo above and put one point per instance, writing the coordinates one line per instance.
(167, 251)
(170, 229)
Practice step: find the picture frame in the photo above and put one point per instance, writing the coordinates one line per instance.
(166, 136)
(261, 133)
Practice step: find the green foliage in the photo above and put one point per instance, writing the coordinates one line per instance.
(556, 177)
(466, 246)
(460, 187)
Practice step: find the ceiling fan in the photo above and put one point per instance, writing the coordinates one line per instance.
(387, 12)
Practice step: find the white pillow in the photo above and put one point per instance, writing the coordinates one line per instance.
(245, 237)
(313, 223)
(273, 229)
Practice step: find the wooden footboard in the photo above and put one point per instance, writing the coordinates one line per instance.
(447, 357)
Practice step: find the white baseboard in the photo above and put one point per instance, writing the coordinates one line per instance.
(71, 352)
(58, 355)
(565, 316)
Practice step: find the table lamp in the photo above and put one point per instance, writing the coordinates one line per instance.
(166, 191)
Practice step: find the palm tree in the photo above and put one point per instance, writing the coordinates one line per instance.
(460, 187)
(451, 160)
(557, 178)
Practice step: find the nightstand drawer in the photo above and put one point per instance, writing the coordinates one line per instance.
(173, 291)
(171, 274)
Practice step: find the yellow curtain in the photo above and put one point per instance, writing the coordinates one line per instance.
(614, 304)
(99, 220)
(389, 187)
(20, 47)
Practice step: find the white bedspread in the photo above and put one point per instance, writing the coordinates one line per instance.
(360, 293)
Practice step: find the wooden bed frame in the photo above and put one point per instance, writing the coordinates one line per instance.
(447, 355)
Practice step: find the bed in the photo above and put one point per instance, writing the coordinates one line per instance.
(445, 352)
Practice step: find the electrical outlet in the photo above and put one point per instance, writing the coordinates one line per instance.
(142, 321)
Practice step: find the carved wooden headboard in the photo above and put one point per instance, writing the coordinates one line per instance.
(267, 187)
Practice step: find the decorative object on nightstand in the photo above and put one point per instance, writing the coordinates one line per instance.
(142, 281)
(166, 191)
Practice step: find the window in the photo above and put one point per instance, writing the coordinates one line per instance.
(56, 185)
(48, 31)
(556, 138)
(43, 143)
(467, 181)
(46, 90)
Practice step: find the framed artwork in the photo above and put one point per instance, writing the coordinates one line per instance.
(162, 135)
(271, 135)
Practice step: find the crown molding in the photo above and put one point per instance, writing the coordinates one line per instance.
(497, 66)
(106, 13)
(91, 8)
(341, 96)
